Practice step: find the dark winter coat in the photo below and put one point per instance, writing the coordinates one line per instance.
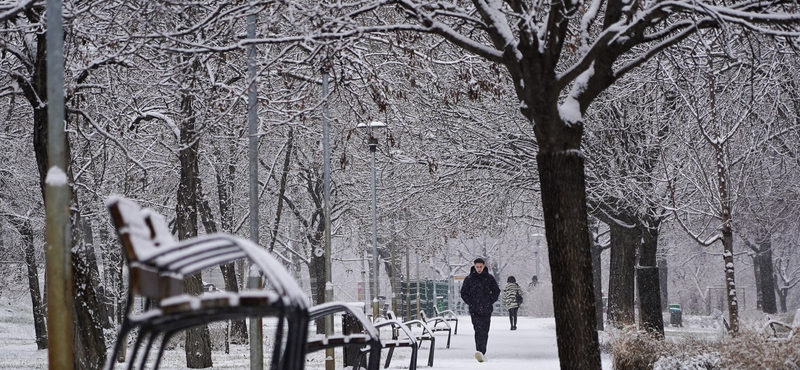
(480, 292)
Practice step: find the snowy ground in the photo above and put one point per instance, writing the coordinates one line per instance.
(531, 346)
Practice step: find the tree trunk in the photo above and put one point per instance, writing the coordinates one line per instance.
(647, 280)
(663, 278)
(727, 242)
(765, 278)
(316, 270)
(782, 293)
(39, 324)
(569, 248)
(89, 254)
(621, 275)
(198, 338)
(89, 345)
(238, 331)
(282, 190)
(597, 276)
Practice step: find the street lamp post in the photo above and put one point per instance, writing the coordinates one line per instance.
(373, 146)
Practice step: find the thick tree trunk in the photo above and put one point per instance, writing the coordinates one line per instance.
(198, 339)
(89, 343)
(765, 278)
(663, 279)
(39, 325)
(569, 248)
(89, 346)
(621, 275)
(647, 282)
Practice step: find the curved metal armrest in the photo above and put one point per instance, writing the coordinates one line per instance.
(330, 308)
(448, 314)
(422, 324)
(786, 329)
(438, 319)
(399, 325)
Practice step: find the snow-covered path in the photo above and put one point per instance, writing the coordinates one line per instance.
(531, 346)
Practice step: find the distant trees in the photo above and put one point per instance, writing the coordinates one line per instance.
(726, 125)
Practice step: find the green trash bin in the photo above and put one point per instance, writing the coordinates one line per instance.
(675, 318)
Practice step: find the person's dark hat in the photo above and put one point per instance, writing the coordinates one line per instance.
(511, 279)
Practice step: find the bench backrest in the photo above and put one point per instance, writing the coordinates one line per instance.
(134, 233)
(141, 232)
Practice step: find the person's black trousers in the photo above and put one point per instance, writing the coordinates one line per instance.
(512, 316)
(481, 325)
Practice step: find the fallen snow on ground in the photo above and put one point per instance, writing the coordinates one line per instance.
(531, 346)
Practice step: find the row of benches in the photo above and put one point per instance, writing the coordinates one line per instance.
(157, 265)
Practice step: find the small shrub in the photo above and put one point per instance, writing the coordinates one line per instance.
(703, 361)
(750, 349)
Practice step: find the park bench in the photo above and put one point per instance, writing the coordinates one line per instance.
(781, 331)
(447, 315)
(424, 335)
(157, 265)
(367, 339)
(436, 321)
(408, 340)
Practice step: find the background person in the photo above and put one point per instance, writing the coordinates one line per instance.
(480, 291)
(510, 292)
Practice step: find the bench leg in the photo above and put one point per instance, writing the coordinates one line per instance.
(164, 341)
(413, 364)
(135, 350)
(150, 340)
(122, 336)
(430, 353)
(388, 357)
(374, 361)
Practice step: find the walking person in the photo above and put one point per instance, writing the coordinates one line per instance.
(480, 291)
(512, 299)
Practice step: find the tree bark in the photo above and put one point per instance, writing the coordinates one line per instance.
(647, 280)
(238, 330)
(765, 277)
(89, 345)
(103, 307)
(569, 248)
(39, 324)
(782, 293)
(663, 278)
(316, 270)
(621, 275)
(198, 338)
(727, 241)
(597, 276)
